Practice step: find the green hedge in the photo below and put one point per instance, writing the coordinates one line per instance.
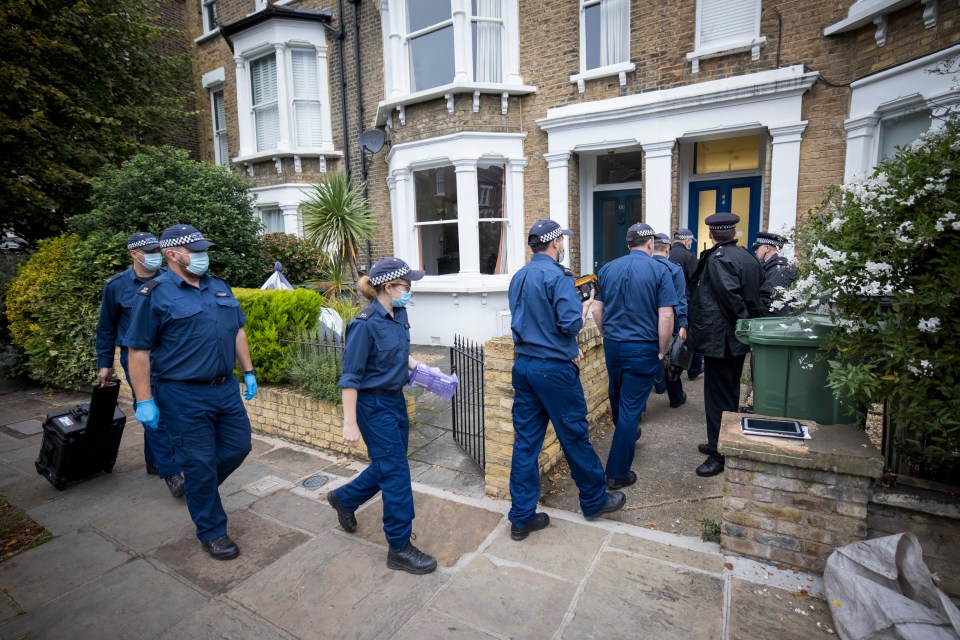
(270, 314)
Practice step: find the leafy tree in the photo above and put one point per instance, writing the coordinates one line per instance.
(161, 187)
(301, 259)
(84, 86)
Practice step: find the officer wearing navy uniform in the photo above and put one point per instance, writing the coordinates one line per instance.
(192, 326)
(546, 316)
(635, 315)
(777, 271)
(376, 365)
(119, 294)
(728, 282)
(661, 249)
(681, 255)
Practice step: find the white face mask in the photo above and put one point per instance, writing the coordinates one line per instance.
(151, 261)
(561, 253)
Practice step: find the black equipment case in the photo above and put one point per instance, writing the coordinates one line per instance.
(81, 441)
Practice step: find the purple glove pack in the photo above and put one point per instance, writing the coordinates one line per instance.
(433, 381)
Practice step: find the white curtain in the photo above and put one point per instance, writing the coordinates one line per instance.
(614, 32)
(489, 45)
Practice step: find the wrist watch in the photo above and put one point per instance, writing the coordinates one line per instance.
(252, 371)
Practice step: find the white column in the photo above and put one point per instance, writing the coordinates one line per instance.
(291, 222)
(396, 49)
(283, 95)
(861, 135)
(516, 227)
(658, 185)
(462, 49)
(784, 176)
(248, 138)
(511, 16)
(558, 171)
(323, 73)
(468, 216)
(403, 215)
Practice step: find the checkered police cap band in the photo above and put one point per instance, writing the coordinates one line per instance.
(180, 241)
(723, 227)
(550, 235)
(142, 242)
(683, 236)
(769, 241)
(390, 275)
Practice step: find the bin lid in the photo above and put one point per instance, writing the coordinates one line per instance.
(808, 329)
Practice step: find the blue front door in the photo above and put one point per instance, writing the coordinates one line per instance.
(735, 195)
(613, 213)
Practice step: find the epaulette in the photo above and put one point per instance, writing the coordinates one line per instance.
(114, 277)
(567, 272)
(364, 315)
(148, 287)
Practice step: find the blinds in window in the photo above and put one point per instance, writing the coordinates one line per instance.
(727, 20)
(306, 99)
(220, 128)
(263, 77)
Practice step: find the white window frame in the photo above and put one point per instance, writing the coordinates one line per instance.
(209, 26)
(464, 150)
(258, 108)
(619, 69)
(751, 42)
(219, 132)
(281, 38)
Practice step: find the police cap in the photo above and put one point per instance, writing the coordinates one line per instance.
(545, 231)
(683, 234)
(143, 240)
(771, 239)
(722, 220)
(639, 231)
(387, 269)
(661, 238)
(183, 235)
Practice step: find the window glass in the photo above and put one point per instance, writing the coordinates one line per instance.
(436, 220)
(220, 129)
(210, 18)
(591, 22)
(263, 78)
(606, 32)
(901, 131)
(272, 220)
(493, 224)
(728, 154)
(306, 99)
(613, 168)
(424, 13)
(431, 59)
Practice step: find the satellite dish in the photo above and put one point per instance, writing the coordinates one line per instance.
(372, 141)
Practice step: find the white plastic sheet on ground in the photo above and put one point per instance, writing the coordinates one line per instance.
(881, 589)
(276, 279)
(332, 321)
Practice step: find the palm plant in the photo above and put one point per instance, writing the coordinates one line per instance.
(338, 218)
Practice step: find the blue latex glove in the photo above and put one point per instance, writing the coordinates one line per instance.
(148, 414)
(250, 380)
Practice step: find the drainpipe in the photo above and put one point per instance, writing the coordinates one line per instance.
(360, 129)
(343, 95)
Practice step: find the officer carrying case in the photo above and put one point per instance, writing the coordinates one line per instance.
(81, 441)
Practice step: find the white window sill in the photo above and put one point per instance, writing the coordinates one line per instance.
(725, 48)
(287, 153)
(386, 107)
(209, 35)
(463, 283)
(620, 69)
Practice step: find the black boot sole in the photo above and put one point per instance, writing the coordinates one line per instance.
(399, 566)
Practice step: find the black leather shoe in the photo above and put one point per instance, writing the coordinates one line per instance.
(693, 377)
(222, 548)
(152, 470)
(711, 467)
(348, 521)
(540, 521)
(683, 398)
(615, 502)
(620, 483)
(175, 484)
(706, 449)
(411, 560)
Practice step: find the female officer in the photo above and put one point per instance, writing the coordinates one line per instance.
(376, 366)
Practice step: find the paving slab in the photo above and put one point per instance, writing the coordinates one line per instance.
(510, 600)
(16, 411)
(29, 427)
(130, 460)
(563, 549)
(296, 463)
(262, 542)
(145, 526)
(707, 561)
(466, 483)
(39, 575)
(626, 596)
(8, 609)
(24, 459)
(433, 625)
(260, 447)
(8, 475)
(251, 472)
(445, 529)
(335, 587)
(758, 611)
(445, 452)
(340, 468)
(27, 492)
(218, 620)
(10, 442)
(134, 600)
(313, 515)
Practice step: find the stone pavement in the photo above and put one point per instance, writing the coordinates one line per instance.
(125, 562)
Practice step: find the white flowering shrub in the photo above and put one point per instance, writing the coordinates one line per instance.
(882, 256)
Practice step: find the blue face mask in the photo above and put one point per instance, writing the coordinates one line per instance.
(199, 263)
(151, 261)
(403, 299)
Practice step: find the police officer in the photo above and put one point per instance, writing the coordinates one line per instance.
(680, 254)
(635, 315)
(777, 271)
(119, 294)
(728, 281)
(192, 325)
(661, 249)
(546, 316)
(376, 366)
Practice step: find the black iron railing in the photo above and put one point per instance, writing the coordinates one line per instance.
(466, 361)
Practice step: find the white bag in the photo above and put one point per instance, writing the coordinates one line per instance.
(881, 589)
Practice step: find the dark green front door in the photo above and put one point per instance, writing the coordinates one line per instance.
(613, 213)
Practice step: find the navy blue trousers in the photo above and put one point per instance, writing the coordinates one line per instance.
(721, 392)
(383, 422)
(551, 390)
(210, 431)
(157, 446)
(632, 368)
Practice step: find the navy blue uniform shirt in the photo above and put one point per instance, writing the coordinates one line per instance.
(116, 303)
(545, 310)
(680, 285)
(377, 351)
(634, 287)
(190, 331)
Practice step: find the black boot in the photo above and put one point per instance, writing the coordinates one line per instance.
(175, 484)
(347, 519)
(222, 548)
(712, 466)
(411, 560)
(540, 521)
